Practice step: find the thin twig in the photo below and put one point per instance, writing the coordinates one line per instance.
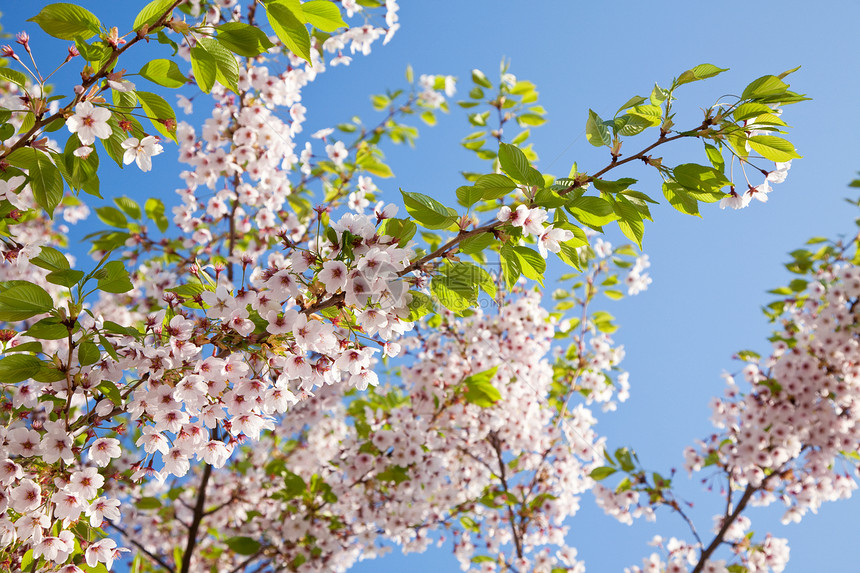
(134, 542)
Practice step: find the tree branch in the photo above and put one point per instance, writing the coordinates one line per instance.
(134, 542)
(496, 443)
(195, 522)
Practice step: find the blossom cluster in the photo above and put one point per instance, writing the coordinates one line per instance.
(422, 436)
(789, 434)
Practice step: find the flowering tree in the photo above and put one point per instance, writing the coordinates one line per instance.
(205, 395)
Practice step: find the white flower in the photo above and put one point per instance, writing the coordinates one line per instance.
(83, 151)
(322, 133)
(8, 191)
(89, 122)
(550, 238)
(337, 153)
(735, 201)
(102, 508)
(103, 449)
(141, 151)
(121, 85)
(102, 551)
(185, 104)
(778, 175)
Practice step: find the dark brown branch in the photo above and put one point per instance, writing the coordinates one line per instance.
(195, 522)
(497, 445)
(727, 522)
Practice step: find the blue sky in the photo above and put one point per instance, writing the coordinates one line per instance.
(710, 274)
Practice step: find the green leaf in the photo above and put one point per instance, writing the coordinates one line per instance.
(15, 77)
(112, 216)
(151, 13)
(67, 21)
(635, 100)
(46, 182)
(765, 86)
(155, 210)
(23, 301)
(468, 196)
(129, 206)
(88, 353)
(421, 304)
(515, 163)
(95, 53)
(397, 474)
(531, 263)
(602, 473)
(715, 156)
(750, 110)
(113, 278)
(480, 390)
(700, 177)
(79, 172)
(18, 367)
(48, 329)
(401, 229)
(473, 275)
(592, 211)
(454, 292)
(428, 212)
(596, 131)
(494, 185)
(477, 243)
(164, 73)
(650, 115)
(290, 29)
(700, 72)
(530, 119)
(243, 39)
(294, 485)
(479, 78)
(773, 148)
(159, 111)
(110, 390)
(243, 545)
(204, 67)
(50, 259)
(163, 39)
(65, 278)
(148, 503)
(511, 267)
(374, 166)
(613, 186)
(680, 199)
(630, 221)
(323, 15)
(658, 95)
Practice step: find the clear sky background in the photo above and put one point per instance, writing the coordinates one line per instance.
(710, 274)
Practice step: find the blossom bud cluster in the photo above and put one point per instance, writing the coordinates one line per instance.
(788, 434)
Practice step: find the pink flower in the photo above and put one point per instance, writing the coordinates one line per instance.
(26, 497)
(103, 449)
(333, 276)
(103, 508)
